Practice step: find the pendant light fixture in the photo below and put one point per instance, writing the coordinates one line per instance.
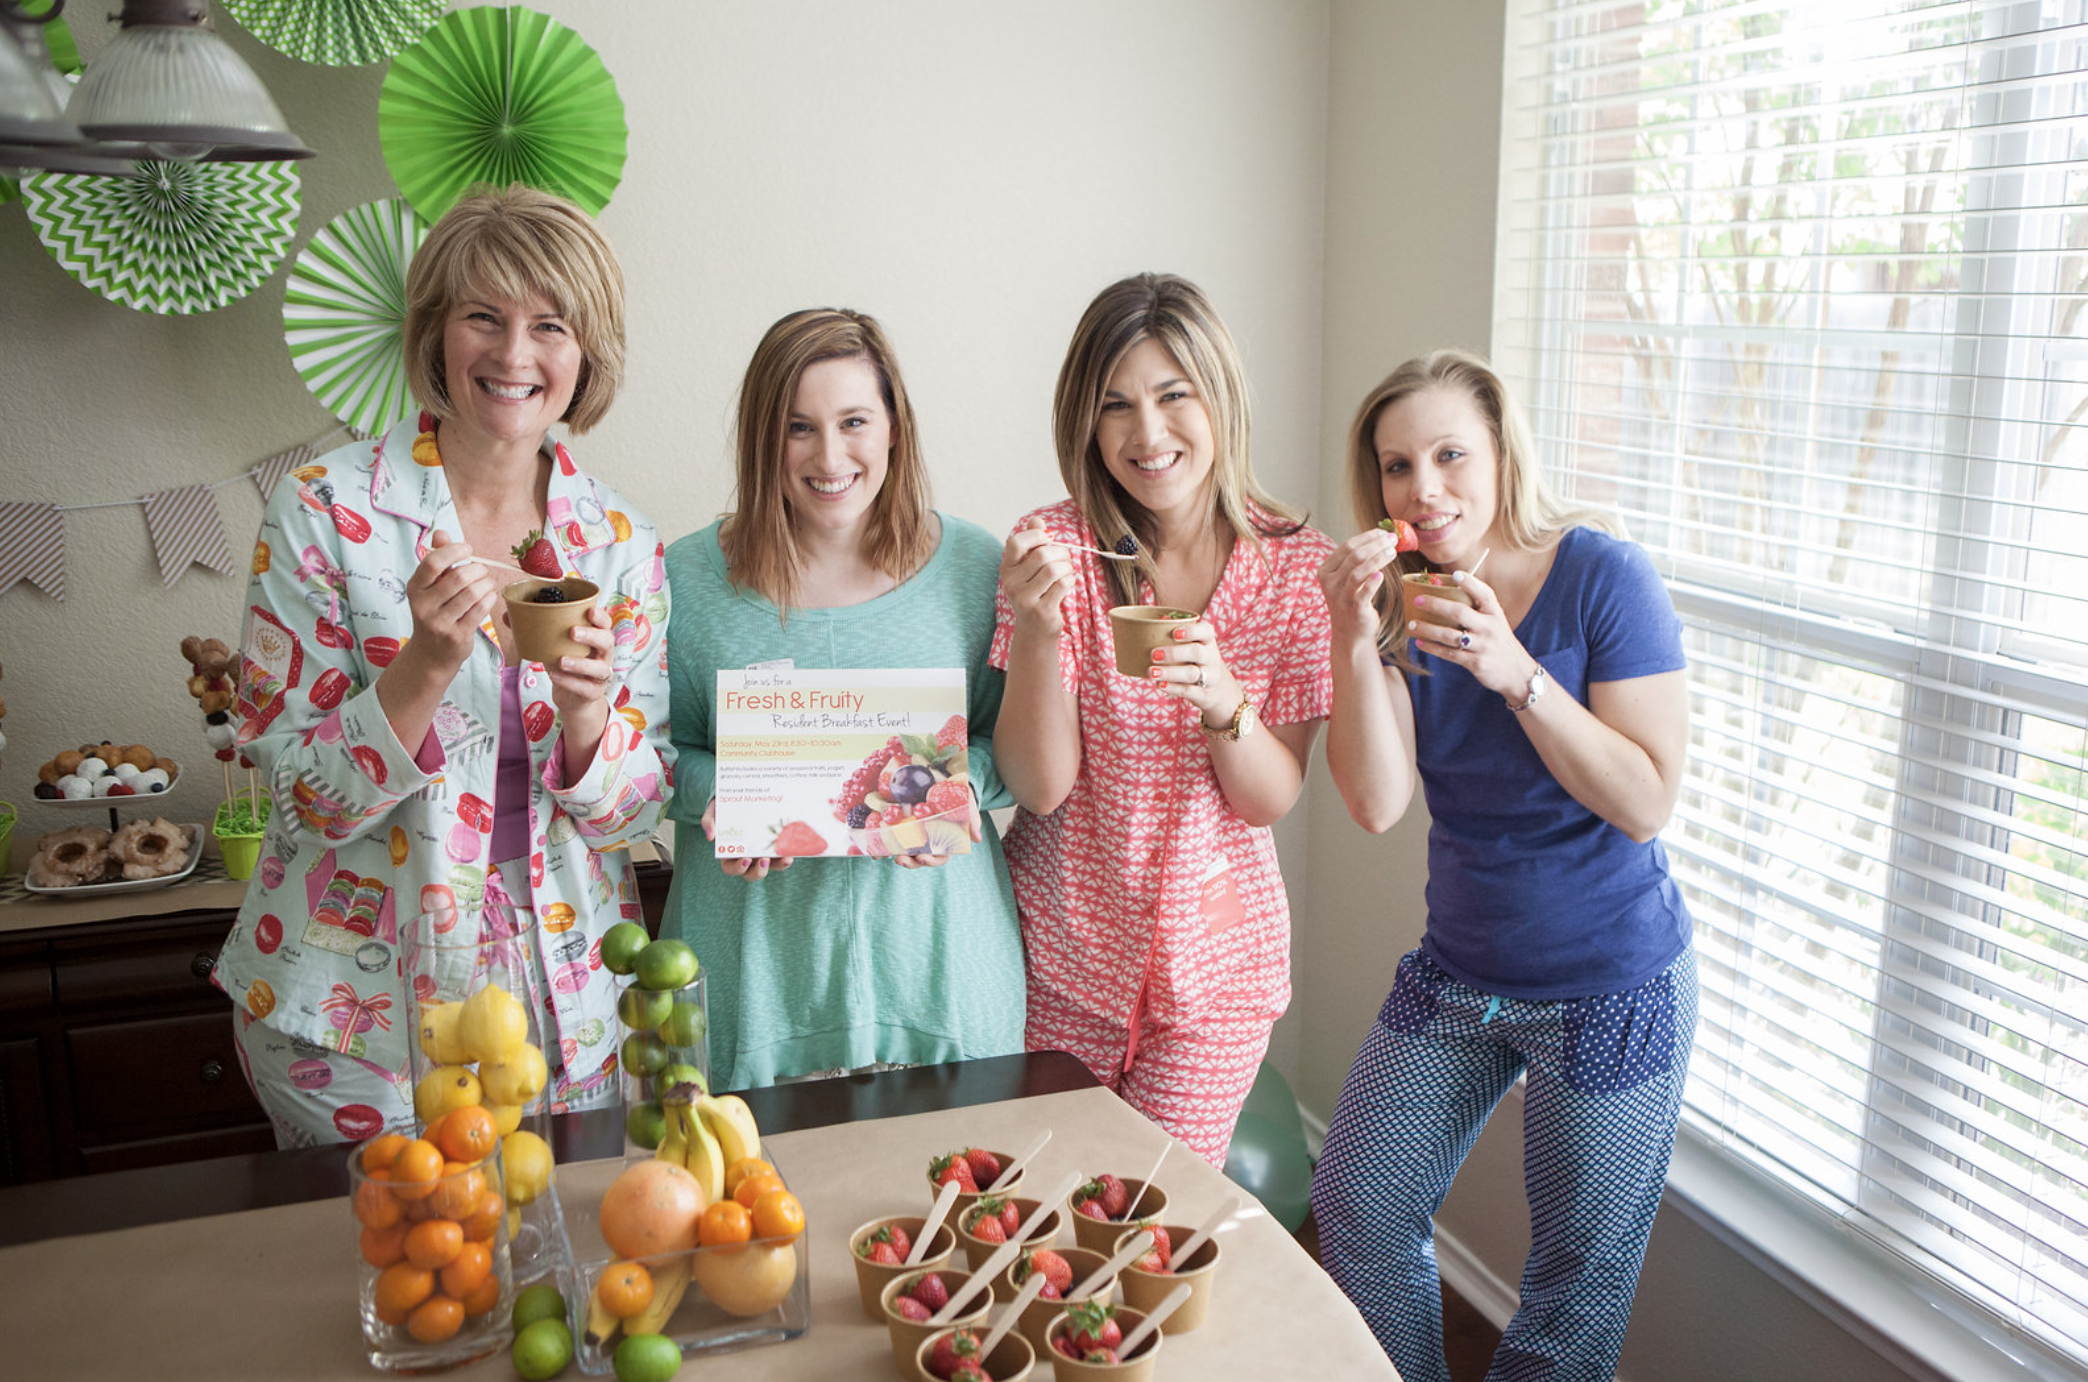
(35, 135)
(169, 82)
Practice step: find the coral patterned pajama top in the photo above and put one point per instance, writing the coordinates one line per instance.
(367, 832)
(1144, 892)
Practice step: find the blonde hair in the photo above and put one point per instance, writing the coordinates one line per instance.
(1175, 313)
(761, 551)
(1532, 514)
(516, 242)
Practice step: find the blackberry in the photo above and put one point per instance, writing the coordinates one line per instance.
(857, 815)
(1127, 546)
(549, 595)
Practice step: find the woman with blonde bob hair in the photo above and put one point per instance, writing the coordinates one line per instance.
(1544, 712)
(833, 557)
(1153, 914)
(418, 762)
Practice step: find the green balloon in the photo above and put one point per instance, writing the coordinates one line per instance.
(1268, 1158)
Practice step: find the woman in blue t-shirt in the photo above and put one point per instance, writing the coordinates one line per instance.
(1547, 722)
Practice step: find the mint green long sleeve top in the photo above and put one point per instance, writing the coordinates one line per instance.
(839, 963)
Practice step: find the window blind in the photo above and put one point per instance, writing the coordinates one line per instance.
(1797, 289)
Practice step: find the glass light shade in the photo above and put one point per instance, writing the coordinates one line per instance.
(182, 90)
(30, 111)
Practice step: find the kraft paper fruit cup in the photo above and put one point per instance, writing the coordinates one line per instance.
(543, 633)
(1101, 1235)
(1035, 1322)
(873, 1277)
(1138, 629)
(1012, 1359)
(1138, 1368)
(1145, 1290)
(1417, 583)
(908, 1335)
(977, 1249)
(965, 1200)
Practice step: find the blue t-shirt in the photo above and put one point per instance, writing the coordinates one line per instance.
(1530, 894)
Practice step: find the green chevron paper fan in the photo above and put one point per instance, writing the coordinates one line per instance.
(499, 96)
(344, 313)
(171, 237)
(338, 33)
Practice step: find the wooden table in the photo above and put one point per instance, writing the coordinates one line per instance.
(245, 1266)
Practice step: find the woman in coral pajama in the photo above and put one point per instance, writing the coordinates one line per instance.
(1154, 919)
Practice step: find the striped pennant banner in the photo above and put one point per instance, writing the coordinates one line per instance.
(277, 466)
(32, 548)
(187, 530)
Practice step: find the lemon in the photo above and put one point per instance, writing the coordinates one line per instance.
(438, 1034)
(528, 1161)
(506, 1117)
(444, 1088)
(516, 1080)
(493, 1025)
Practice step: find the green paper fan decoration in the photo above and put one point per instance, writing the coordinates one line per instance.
(344, 313)
(338, 33)
(501, 95)
(170, 237)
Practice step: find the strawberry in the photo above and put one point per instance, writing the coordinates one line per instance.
(1100, 1355)
(986, 1167)
(1057, 1270)
(1115, 1198)
(907, 1308)
(929, 1290)
(883, 1253)
(952, 1351)
(1092, 1325)
(537, 556)
(951, 734)
(987, 1228)
(953, 1167)
(899, 1238)
(797, 838)
(1161, 1258)
(970, 1372)
(888, 1238)
(1090, 1208)
(863, 779)
(951, 796)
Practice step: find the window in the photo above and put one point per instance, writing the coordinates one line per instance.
(1797, 288)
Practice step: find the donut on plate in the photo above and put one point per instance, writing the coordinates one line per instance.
(149, 849)
(68, 858)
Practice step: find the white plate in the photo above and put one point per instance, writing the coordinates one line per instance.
(130, 885)
(119, 803)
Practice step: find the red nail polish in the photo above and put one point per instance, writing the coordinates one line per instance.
(1155, 673)
(1159, 654)
(1180, 634)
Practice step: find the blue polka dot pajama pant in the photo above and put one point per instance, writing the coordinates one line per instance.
(1599, 1115)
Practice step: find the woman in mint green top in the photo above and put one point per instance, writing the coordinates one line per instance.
(833, 558)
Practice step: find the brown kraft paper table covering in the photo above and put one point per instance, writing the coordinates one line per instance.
(271, 1292)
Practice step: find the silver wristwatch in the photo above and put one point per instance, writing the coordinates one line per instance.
(1538, 681)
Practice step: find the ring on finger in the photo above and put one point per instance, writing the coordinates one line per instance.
(1203, 677)
(1464, 640)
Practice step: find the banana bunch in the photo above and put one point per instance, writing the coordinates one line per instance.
(706, 1134)
(670, 1283)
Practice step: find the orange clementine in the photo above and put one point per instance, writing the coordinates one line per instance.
(400, 1287)
(744, 1167)
(484, 1298)
(779, 1215)
(435, 1319)
(383, 1246)
(754, 1187)
(484, 1219)
(376, 1206)
(467, 1134)
(414, 1170)
(625, 1289)
(459, 1191)
(381, 1152)
(467, 1271)
(727, 1221)
(434, 1243)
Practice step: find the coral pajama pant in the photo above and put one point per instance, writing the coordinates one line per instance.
(1189, 1077)
(1599, 1116)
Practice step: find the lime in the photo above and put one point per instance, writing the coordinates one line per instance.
(543, 1347)
(621, 944)
(645, 1125)
(643, 1054)
(666, 964)
(538, 1302)
(684, 1026)
(680, 1073)
(647, 1358)
(642, 1010)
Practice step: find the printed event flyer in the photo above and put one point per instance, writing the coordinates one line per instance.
(847, 761)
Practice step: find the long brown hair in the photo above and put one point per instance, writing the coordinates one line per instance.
(761, 551)
(1532, 513)
(1174, 312)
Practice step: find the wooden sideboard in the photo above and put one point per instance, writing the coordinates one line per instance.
(116, 1049)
